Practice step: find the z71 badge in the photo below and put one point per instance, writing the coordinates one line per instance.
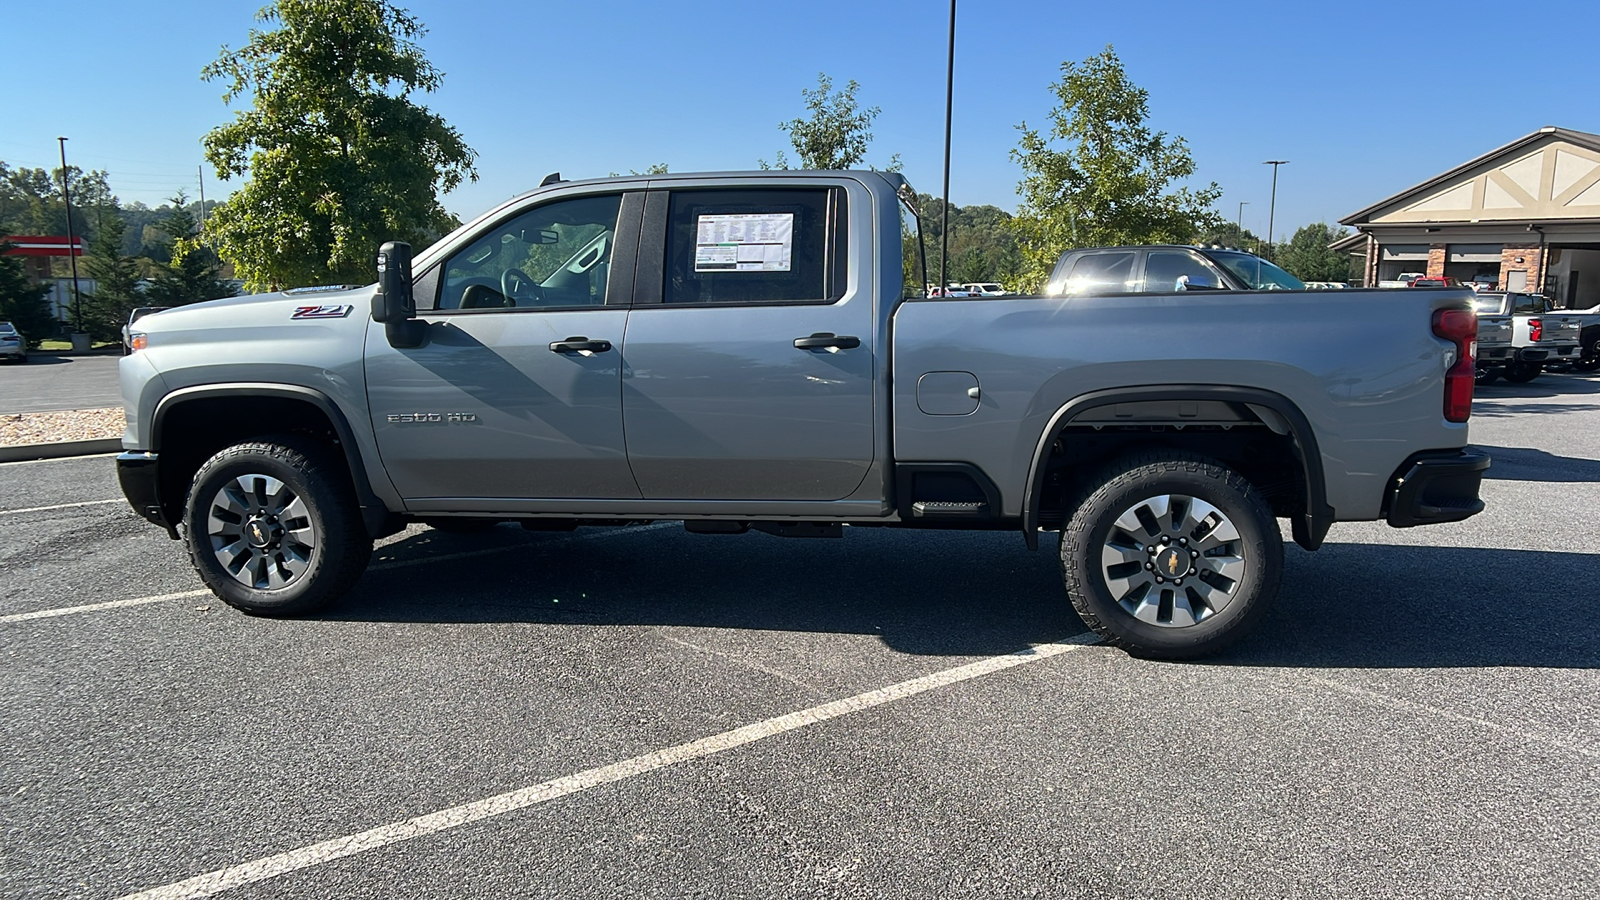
(335, 311)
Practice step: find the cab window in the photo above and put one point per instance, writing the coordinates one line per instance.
(556, 255)
(1167, 271)
(1100, 273)
(782, 245)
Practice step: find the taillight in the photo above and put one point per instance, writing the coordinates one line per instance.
(1535, 329)
(1460, 327)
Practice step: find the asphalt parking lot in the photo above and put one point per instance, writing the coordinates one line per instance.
(52, 381)
(611, 713)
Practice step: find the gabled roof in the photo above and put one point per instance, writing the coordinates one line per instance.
(1582, 141)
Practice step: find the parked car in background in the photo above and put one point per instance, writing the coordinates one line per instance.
(1588, 339)
(947, 292)
(1436, 281)
(1327, 285)
(984, 289)
(13, 346)
(1163, 269)
(1539, 335)
(1484, 283)
(1402, 280)
(1494, 336)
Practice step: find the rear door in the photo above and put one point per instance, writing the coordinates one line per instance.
(750, 346)
(516, 392)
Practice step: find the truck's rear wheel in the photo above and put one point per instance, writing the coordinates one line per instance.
(1487, 376)
(1522, 373)
(1172, 556)
(273, 527)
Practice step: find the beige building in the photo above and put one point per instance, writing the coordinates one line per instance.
(1525, 216)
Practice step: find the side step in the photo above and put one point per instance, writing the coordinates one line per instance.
(781, 529)
(957, 508)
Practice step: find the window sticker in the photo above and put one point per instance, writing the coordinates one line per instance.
(744, 242)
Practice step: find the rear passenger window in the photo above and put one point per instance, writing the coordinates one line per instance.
(755, 246)
(1100, 273)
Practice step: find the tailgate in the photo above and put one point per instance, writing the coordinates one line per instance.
(1494, 331)
(1560, 329)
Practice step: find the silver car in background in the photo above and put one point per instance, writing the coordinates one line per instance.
(13, 346)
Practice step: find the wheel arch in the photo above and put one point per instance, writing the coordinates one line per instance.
(291, 407)
(1277, 412)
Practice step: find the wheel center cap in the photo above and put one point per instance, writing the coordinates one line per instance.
(259, 532)
(1171, 562)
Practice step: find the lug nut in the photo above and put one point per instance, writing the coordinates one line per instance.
(1150, 566)
(1194, 554)
(1165, 540)
(1150, 549)
(1183, 541)
(1177, 582)
(1160, 580)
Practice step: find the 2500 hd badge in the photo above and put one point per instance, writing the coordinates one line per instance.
(418, 418)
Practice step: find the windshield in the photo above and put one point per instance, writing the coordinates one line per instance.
(1256, 272)
(5, 328)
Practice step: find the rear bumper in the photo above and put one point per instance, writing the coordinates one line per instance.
(1436, 486)
(139, 475)
(1547, 354)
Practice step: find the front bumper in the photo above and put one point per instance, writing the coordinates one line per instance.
(1436, 486)
(139, 474)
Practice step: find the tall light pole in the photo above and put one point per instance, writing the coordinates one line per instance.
(1273, 208)
(1239, 225)
(72, 244)
(949, 105)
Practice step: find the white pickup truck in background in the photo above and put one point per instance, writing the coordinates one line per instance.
(1539, 336)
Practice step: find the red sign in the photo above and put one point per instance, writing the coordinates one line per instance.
(43, 245)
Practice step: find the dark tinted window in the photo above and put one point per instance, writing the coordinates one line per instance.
(1527, 304)
(1100, 273)
(754, 246)
(1164, 268)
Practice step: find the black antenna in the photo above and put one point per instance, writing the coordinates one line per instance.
(949, 101)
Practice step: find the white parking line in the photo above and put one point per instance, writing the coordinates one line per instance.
(391, 564)
(34, 509)
(57, 459)
(212, 883)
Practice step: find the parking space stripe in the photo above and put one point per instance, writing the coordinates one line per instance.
(56, 459)
(34, 509)
(265, 868)
(390, 564)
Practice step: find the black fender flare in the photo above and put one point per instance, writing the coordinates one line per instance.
(1309, 529)
(374, 513)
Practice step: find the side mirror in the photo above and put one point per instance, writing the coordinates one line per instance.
(393, 304)
(1197, 282)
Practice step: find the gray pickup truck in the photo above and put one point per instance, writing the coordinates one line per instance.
(753, 351)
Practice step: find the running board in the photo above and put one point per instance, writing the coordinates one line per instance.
(959, 508)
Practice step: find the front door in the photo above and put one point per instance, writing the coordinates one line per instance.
(749, 349)
(516, 392)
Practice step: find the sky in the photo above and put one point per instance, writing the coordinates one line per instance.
(1363, 98)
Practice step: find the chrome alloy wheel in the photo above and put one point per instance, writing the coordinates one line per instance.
(1173, 561)
(261, 532)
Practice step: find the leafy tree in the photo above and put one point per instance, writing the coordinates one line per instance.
(1112, 182)
(1308, 257)
(656, 169)
(1228, 234)
(837, 133)
(116, 276)
(22, 300)
(31, 203)
(339, 157)
(983, 243)
(194, 273)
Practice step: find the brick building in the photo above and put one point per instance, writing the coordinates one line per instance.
(1525, 216)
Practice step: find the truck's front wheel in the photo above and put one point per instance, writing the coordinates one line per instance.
(1172, 556)
(273, 527)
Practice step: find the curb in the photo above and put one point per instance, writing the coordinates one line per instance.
(20, 452)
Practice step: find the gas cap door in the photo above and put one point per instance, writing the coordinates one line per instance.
(948, 393)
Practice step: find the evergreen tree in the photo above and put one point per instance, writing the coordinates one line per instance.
(116, 276)
(193, 275)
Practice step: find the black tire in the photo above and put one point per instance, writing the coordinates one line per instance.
(316, 476)
(1122, 488)
(1522, 373)
(1486, 376)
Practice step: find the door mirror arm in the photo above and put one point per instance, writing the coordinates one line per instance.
(394, 304)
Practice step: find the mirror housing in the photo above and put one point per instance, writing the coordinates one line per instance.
(393, 304)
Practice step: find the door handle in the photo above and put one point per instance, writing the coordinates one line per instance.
(579, 344)
(827, 340)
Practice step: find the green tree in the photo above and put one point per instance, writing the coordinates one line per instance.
(837, 133)
(1112, 181)
(116, 276)
(1308, 257)
(22, 300)
(1228, 234)
(31, 202)
(193, 274)
(654, 169)
(339, 157)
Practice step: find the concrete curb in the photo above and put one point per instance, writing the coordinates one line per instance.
(20, 452)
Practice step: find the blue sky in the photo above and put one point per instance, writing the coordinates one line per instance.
(1364, 98)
